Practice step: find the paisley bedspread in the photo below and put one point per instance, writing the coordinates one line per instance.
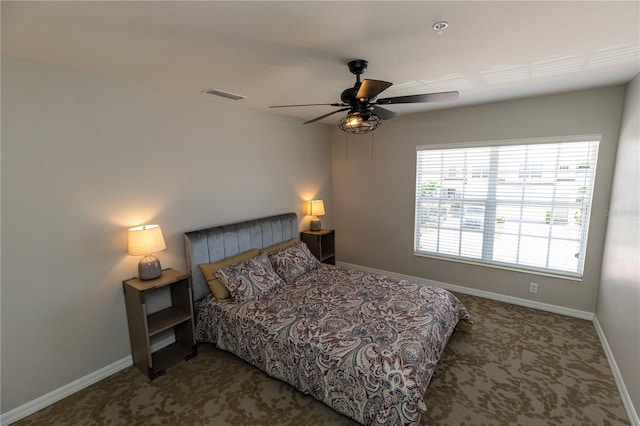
(364, 344)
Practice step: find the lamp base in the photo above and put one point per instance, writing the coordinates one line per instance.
(149, 268)
(315, 225)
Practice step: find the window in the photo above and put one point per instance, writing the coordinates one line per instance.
(516, 204)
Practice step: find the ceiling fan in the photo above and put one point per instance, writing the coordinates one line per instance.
(365, 113)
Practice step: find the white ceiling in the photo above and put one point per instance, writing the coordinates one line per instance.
(296, 52)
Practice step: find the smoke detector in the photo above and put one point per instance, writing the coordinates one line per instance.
(440, 26)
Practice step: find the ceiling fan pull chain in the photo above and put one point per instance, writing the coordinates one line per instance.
(346, 144)
(371, 146)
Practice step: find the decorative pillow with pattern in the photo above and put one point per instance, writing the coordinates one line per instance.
(291, 262)
(250, 279)
(209, 272)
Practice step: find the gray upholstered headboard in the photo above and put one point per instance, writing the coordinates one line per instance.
(220, 242)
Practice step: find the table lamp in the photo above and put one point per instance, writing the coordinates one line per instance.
(316, 208)
(145, 241)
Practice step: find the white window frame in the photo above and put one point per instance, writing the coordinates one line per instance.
(488, 229)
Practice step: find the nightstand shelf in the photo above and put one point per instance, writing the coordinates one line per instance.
(171, 355)
(321, 244)
(177, 318)
(165, 319)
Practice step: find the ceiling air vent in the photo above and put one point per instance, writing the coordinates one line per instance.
(223, 94)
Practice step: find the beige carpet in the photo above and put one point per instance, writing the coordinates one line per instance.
(519, 366)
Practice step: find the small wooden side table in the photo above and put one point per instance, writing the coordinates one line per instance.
(322, 244)
(143, 326)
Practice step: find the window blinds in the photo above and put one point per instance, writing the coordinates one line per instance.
(523, 204)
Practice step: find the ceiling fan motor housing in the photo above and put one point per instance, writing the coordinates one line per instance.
(357, 105)
(349, 95)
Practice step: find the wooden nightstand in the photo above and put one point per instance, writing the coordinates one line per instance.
(322, 244)
(143, 326)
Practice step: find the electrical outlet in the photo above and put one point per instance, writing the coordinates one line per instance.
(533, 287)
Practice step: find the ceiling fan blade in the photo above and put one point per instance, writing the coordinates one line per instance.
(383, 113)
(412, 99)
(326, 115)
(369, 89)
(303, 105)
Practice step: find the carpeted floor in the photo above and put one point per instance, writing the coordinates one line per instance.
(519, 366)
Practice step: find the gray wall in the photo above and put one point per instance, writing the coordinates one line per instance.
(83, 159)
(618, 308)
(374, 188)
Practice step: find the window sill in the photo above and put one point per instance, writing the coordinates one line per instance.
(503, 267)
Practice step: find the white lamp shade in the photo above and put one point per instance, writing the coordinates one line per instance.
(316, 208)
(145, 240)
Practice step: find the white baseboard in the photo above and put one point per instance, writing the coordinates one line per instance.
(56, 395)
(622, 388)
(63, 392)
(480, 293)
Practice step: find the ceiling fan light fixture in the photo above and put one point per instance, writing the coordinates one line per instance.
(353, 120)
(356, 124)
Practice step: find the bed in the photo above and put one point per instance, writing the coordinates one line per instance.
(365, 344)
